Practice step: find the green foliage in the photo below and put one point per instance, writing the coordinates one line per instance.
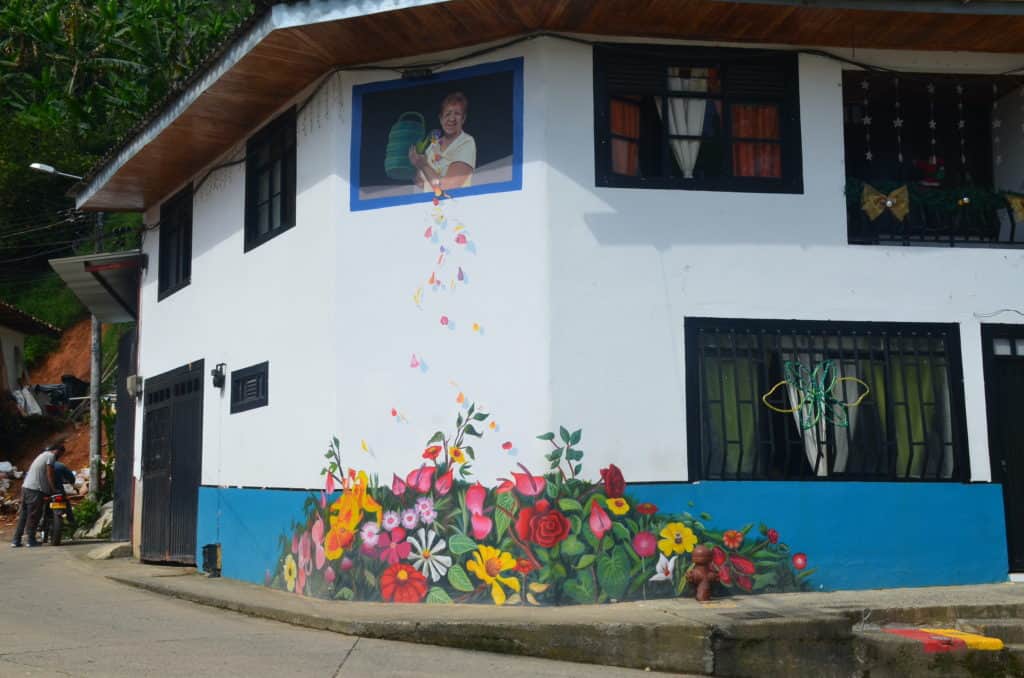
(87, 512)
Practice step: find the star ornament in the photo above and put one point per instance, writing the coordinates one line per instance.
(931, 124)
(869, 155)
(866, 120)
(865, 85)
(897, 123)
(816, 395)
(997, 123)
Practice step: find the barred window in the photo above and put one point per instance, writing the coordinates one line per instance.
(270, 181)
(790, 400)
(175, 256)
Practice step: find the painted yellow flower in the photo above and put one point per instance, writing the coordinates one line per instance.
(291, 571)
(488, 563)
(457, 455)
(677, 538)
(618, 506)
(347, 511)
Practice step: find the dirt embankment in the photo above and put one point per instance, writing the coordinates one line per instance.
(70, 357)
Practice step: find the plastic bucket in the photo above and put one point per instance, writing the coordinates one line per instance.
(407, 131)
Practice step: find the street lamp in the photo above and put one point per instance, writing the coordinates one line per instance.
(94, 367)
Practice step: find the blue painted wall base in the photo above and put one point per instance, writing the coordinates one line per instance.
(856, 535)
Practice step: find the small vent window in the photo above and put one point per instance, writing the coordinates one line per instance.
(249, 387)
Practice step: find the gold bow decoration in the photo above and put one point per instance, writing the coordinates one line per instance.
(875, 203)
(1016, 203)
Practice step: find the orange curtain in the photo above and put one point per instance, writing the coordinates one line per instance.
(625, 119)
(756, 158)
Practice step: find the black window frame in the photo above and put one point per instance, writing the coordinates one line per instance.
(279, 139)
(660, 57)
(175, 228)
(696, 420)
(239, 403)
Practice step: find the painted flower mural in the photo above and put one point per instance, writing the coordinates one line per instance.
(537, 538)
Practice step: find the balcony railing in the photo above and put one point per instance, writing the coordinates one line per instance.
(951, 217)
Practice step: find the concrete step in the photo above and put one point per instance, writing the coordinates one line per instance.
(1008, 630)
(883, 655)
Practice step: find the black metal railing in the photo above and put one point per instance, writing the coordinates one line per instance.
(949, 217)
(796, 400)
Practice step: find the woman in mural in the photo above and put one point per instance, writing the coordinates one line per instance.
(450, 158)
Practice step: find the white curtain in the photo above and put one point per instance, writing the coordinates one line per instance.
(815, 438)
(685, 115)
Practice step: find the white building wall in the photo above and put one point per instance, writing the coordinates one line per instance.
(9, 341)
(630, 264)
(581, 293)
(275, 303)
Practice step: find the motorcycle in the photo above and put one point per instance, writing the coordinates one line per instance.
(57, 513)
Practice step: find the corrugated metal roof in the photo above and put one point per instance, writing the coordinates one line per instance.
(107, 283)
(19, 321)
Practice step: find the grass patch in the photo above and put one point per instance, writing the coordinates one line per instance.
(50, 300)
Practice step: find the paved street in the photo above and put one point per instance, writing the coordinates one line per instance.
(58, 617)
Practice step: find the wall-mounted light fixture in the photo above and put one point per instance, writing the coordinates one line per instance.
(218, 375)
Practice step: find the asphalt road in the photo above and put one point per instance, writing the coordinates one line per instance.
(60, 617)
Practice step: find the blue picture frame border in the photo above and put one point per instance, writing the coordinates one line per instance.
(515, 66)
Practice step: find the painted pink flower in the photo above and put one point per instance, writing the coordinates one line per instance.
(323, 500)
(295, 543)
(347, 564)
(718, 555)
(645, 544)
(300, 585)
(394, 548)
(369, 533)
(305, 551)
(424, 504)
(475, 497)
(428, 516)
(397, 485)
(443, 483)
(391, 520)
(329, 486)
(524, 483)
(410, 519)
(329, 575)
(421, 479)
(318, 542)
(599, 520)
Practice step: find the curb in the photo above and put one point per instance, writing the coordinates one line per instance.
(675, 646)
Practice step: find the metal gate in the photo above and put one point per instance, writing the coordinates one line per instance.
(124, 441)
(172, 438)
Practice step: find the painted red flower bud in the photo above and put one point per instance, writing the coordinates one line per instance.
(799, 560)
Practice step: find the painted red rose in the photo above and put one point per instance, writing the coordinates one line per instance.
(742, 565)
(718, 555)
(542, 525)
(614, 483)
(524, 566)
(744, 582)
(773, 536)
(799, 560)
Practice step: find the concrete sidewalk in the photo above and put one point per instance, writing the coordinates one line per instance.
(822, 634)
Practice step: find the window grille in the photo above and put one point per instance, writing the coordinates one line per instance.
(792, 400)
(250, 387)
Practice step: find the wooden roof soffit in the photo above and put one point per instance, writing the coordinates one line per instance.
(280, 54)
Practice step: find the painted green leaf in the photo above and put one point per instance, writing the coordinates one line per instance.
(613, 573)
(620, 531)
(633, 526)
(345, 593)
(586, 561)
(438, 595)
(507, 501)
(436, 438)
(805, 574)
(564, 434)
(472, 409)
(762, 581)
(371, 580)
(558, 570)
(470, 431)
(459, 421)
(460, 544)
(572, 546)
(480, 416)
(573, 454)
(576, 436)
(546, 436)
(577, 524)
(705, 516)
(567, 504)
(470, 452)
(459, 580)
(580, 589)
(577, 469)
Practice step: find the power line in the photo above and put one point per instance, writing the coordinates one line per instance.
(35, 255)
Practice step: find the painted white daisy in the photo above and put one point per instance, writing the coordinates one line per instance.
(425, 556)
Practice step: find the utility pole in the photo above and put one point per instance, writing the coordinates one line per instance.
(95, 376)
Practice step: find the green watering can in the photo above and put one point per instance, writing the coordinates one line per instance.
(408, 130)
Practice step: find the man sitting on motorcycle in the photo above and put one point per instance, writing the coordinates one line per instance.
(39, 483)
